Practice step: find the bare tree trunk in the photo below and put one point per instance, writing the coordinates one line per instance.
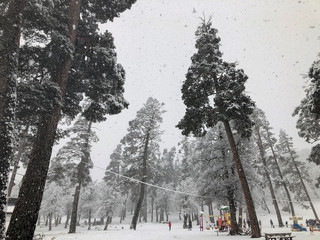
(266, 205)
(50, 221)
(89, 220)
(9, 55)
(233, 213)
(211, 212)
(161, 215)
(267, 175)
(145, 207)
(73, 222)
(67, 221)
(56, 221)
(142, 186)
(109, 220)
(157, 214)
(303, 185)
(243, 180)
(280, 174)
(152, 204)
(24, 217)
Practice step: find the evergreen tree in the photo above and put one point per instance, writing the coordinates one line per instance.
(61, 26)
(53, 202)
(140, 143)
(308, 112)
(273, 160)
(260, 121)
(210, 78)
(89, 201)
(218, 179)
(285, 147)
(11, 18)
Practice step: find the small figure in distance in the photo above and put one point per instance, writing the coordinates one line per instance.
(271, 223)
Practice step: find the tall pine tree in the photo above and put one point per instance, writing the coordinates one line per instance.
(11, 18)
(143, 134)
(214, 91)
(260, 121)
(63, 38)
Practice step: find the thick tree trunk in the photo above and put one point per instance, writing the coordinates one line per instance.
(25, 214)
(280, 174)
(142, 186)
(233, 213)
(303, 185)
(9, 54)
(267, 175)
(243, 180)
(74, 213)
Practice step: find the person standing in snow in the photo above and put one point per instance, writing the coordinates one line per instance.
(271, 223)
(260, 224)
(169, 225)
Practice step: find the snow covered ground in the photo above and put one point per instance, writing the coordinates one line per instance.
(159, 231)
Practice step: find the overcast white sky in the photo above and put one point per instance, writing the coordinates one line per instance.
(275, 42)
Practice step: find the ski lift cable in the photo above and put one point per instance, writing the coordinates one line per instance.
(149, 184)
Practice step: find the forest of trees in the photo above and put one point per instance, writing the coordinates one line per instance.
(65, 78)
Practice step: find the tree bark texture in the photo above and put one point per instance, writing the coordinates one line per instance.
(25, 214)
(243, 180)
(9, 54)
(74, 213)
(142, 185)
(267, 175)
